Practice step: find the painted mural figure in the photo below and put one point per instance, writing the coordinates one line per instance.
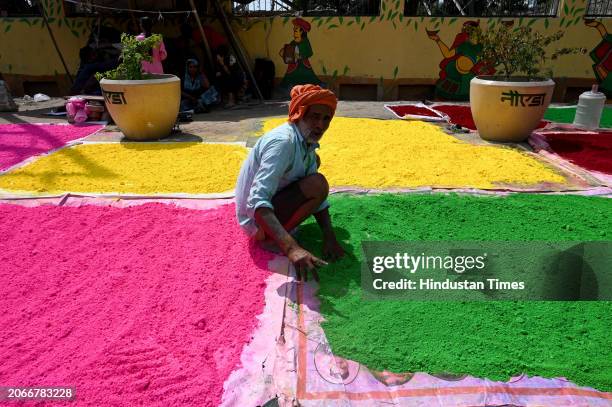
(602, 57)
(296, 54)
(460, 64)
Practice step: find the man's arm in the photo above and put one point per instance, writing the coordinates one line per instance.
(302, 259)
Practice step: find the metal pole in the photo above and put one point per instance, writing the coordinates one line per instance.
(59, 53)
(236, 46)
(206, 46)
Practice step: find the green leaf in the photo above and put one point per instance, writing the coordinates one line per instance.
(442, 20)
(324, 70)
(372, 19)
(521, 21)
(569, 22)
(531, 22)
(578, 10)
(363, 25)
(382, 17)
(389, 14)
(437, 26)
(75, 33)
(286, 19)
(401, 18)
(561, 22)
(452, 21)
(340, 19)
(397, 2)
(546, 23)
(577, 20)
(395, 71)
(394, 14)
(8, 28)
(51, 20)
(394, 26)
(358, 19)
(350, 23)
(25, 21)
(332, 26)
(346, 70)
(328, 19)
(433, 20)
(319, 23)
(565, 9)
(422, 19)
(384, 6)
(416, 25)
(335, 74)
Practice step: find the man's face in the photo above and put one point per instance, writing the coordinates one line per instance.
(315, 122)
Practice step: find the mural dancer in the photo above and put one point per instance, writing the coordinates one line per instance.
(296, 54)
(602, 57)
(460, 64)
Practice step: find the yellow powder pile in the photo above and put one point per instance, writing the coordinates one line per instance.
(394, 153)
(132, 168)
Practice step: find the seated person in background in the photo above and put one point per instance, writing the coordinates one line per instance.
(159, 52)
(197, 93)
(228, 76)
(99, 55)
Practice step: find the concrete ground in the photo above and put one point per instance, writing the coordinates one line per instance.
(235, 125)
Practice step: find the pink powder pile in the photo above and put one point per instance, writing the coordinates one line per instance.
(147, 305)
(20, 141)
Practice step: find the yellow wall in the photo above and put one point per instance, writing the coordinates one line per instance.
(372, 47)
(389, 46)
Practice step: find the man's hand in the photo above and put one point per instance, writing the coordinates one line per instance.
(332, 250)
(304, 261)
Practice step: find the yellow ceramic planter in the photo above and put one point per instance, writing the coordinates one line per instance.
(508, 110)
(143, 109)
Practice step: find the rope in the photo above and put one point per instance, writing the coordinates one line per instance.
(127, 9)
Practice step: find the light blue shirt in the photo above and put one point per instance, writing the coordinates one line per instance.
(280, 157)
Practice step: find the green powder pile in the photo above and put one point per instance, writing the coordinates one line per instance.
(566, 115)
(486, 339)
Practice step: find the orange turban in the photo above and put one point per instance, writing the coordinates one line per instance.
(304, 96)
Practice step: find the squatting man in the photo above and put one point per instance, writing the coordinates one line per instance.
(279, 185)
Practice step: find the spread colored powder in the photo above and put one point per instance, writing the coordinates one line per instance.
(591, 151)
(567, 114)
(132, 168)
(460, 115)
(148, 305)
(486, 339)
(413, 110)
(24, 140)
(396, 153)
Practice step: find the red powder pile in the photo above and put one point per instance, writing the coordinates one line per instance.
(148, 305)
(460, 115)
(412, 110)
(590, 151)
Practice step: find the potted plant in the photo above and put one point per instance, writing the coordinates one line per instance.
(507, 107)
(144, 106)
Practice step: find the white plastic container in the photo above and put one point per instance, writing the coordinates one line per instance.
(589, 110)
